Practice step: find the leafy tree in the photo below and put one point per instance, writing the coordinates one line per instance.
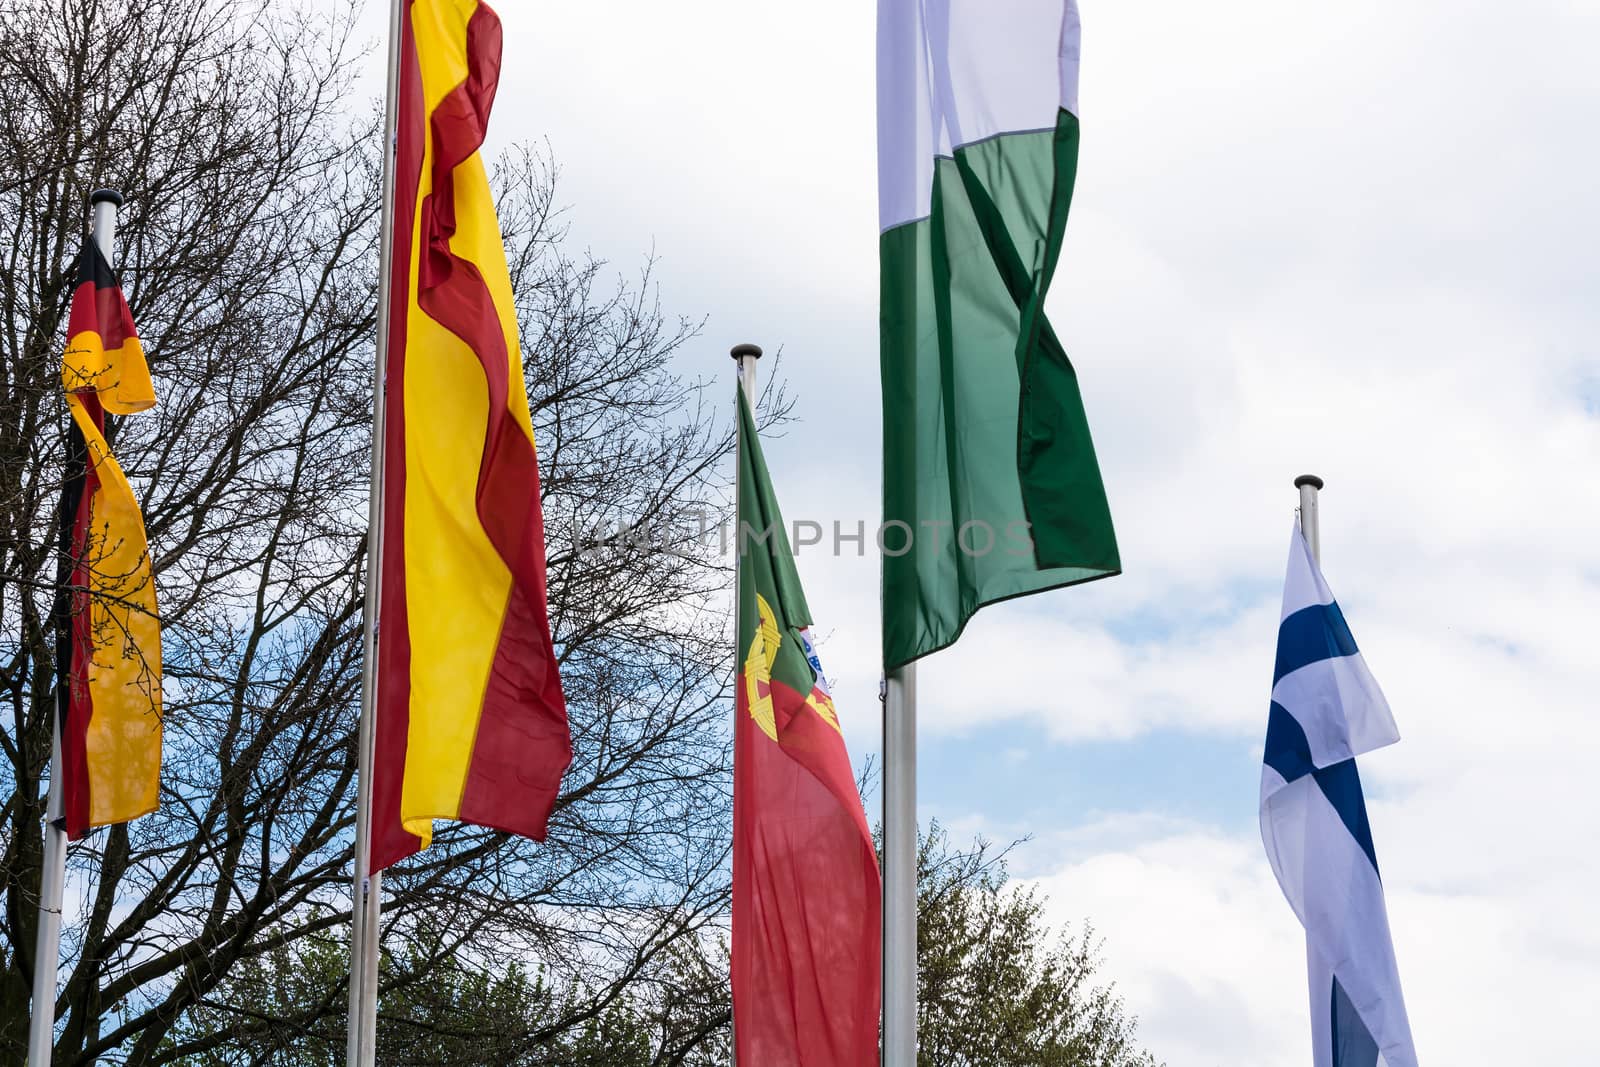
(469, 1012)
(994, 989)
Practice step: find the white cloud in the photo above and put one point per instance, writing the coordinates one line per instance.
(1200, 943)
(1206, 951)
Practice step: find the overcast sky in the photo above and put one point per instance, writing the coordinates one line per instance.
(1352, 239)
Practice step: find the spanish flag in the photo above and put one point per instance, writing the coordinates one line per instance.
(109, 631)
(471, 722)
(806, 890)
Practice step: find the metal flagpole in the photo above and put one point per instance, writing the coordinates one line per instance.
(1309, 485)
(744, 357)
(53, 875)
(367, 903)
(900, 867)
(47, 950)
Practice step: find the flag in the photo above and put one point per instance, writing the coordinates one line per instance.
(108, 659)
(471, 720)
(806, 892)
(990, 485)
(1327, 710)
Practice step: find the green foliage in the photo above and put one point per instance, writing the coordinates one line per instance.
(994, 989)
(437, 1008)
(448, 1012)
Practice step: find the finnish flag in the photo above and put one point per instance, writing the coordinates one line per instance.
(1327, 710)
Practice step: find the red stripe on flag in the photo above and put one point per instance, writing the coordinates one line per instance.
(391, 842)
(806, 895)
(98, 305)
(80, 697)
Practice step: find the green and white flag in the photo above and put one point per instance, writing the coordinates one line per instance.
(991, 486)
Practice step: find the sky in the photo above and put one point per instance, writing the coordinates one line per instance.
(1355, 240)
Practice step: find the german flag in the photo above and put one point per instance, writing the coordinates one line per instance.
(806, 890)
(471, 722)
(109, 631)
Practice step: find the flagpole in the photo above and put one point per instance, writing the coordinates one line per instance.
(1309, 485)
(900, 867)
(367, 890)
(744, 358)
(53, 874)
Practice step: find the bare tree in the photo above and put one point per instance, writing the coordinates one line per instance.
(248, 252)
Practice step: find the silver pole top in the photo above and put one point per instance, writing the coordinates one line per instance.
(1309, 485)
(103, 204)
(744, 358)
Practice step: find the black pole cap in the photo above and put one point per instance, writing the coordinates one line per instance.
(1308, 479)
(740, 351)
(105, 196)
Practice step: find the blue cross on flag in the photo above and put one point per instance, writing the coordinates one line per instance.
(1327, 710)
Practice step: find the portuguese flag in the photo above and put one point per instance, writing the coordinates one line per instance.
(990, 485)
(108, 628)
(471, 721)
(806, 892)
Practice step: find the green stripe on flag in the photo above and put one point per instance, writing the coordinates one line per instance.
(766, 565)
(986, 444)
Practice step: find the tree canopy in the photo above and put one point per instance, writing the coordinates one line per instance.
(995, 989)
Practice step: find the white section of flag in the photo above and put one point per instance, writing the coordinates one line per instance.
(1303, 585)
(1339, 705)
(955, 72)
(812, 658)
(1338, 897)
(1336, 701)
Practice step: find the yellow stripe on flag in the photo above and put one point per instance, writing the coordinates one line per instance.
(456, 582)
(121, 376)
(124, 676)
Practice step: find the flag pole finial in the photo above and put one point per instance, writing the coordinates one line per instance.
(1310, 485)
(744, 358)
(106, 196)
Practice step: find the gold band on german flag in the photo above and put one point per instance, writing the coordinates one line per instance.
(471, 721)
(109, 630)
